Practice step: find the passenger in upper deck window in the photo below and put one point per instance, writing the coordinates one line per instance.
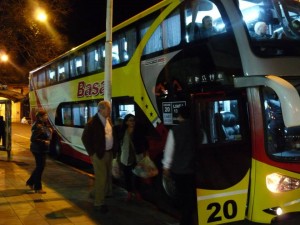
(207, 28)
(261, 29)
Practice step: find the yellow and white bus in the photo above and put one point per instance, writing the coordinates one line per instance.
(238, 72)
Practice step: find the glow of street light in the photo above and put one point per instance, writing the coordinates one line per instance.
(41, 15)
(4, 58)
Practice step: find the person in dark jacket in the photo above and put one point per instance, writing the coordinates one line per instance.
(98, 140)
(133, 146)
(179, 164)
(2, 131)
(40, 140)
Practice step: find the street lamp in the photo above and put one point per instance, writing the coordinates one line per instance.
(4, 57)
(41, 15)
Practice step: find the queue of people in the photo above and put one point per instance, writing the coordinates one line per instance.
(128, 143)
(103, 141)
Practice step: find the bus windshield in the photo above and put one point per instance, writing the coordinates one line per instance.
(273, 26)
(283, 143)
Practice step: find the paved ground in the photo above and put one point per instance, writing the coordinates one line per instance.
(67, 200)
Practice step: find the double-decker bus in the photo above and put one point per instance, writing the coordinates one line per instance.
(235, 63)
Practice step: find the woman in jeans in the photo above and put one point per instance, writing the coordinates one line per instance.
(40, 140)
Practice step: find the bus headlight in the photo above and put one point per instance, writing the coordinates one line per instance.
(279, 183)
(277, 211)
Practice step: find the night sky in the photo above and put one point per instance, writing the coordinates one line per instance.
(88, 18)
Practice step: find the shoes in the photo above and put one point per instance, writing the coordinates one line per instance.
(40, 191)
(101, 208)
(30, 186)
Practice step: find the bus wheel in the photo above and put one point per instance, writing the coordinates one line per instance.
(55, 147)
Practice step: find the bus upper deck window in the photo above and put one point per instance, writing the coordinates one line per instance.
(166, 35)
(51, 76)
(77, 65)
(202, 20)
(93, 59)
(63, 71)
(41, 79)
(266, 20)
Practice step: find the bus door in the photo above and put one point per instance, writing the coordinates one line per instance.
(223, 157)
(275, 121)
(121, 106)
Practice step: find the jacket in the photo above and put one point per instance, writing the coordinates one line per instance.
(93, 137)
(40, 133)
(185, 148)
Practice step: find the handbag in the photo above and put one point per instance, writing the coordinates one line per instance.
(145, 168)
(116, 170)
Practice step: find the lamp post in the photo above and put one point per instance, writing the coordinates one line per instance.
(108, 52)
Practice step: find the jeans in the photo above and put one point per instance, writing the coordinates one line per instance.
(35, 179)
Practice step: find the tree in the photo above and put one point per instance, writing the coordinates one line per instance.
(28, 42)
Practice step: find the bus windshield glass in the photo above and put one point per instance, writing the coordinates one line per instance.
(273, 26)
(283, 143)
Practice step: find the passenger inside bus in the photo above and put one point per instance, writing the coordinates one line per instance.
(62, 76)
(207, 29)
(227, 126)
(193, 30)
(260, 29)
(67, 119)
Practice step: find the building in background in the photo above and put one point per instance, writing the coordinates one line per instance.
(19, 108)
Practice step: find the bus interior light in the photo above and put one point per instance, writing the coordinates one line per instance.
(277, 183)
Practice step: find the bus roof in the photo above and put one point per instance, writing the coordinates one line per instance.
(131, 20)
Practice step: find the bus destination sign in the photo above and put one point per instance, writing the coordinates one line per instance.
(170, 112)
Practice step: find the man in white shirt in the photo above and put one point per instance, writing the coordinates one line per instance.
(98, 139)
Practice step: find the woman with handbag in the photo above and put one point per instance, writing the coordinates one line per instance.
(41, 135)
(133, 146)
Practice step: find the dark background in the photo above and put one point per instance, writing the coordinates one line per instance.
(88, 17)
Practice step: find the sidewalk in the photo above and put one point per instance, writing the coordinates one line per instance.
(67, 200)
